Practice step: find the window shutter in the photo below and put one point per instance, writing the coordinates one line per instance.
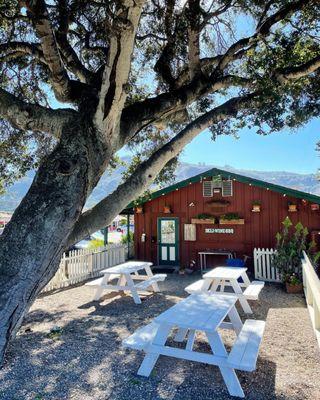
(207, 189)
(227, 189)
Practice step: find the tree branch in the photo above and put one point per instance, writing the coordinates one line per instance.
(193, 37)
(59, 77)
(293, 73)
(138, 115)
(22, 49)
(33, 117)
(263, 29)
(115, 76)
(70, 58)
(103, 213)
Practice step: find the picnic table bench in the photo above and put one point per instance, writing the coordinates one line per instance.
(126, 274)
(220, 277)
(201, 312)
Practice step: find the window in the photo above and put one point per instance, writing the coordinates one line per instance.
(227, 188)
(207, 189)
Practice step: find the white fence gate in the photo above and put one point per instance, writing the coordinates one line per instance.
(264, 269)
(80, 265)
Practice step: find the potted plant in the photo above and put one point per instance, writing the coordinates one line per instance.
(256, 206)
(291, 243)
(292, 207)
(203, 219)
(182, 270)
(231, 219)
(293, 283)
(167, 209)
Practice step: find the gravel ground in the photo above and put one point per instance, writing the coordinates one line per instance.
(85, 360)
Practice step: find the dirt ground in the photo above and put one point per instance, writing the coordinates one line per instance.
(84, 359)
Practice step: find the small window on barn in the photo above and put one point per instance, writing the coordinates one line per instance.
(207, 189)
(227, 189)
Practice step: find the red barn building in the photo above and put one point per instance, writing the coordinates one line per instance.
(217, 211)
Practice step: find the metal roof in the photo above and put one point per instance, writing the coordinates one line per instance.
(230, 175)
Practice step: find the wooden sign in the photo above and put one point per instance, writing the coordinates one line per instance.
(220, 230)
(190, 232)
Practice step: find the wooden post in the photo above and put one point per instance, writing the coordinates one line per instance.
(128, 236)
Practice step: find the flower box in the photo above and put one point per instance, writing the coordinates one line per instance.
(202, 221)
(239, 221)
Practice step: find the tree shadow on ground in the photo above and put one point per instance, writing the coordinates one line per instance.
(86, 360)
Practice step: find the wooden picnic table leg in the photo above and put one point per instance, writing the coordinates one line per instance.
(245, 279)
(243, 301)
(154, 285)
(132, 289)
(150, 359)
(228, 374)
(100, 289)
(235, 319)
(215, 284)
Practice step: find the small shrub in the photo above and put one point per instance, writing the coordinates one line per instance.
(124, 238)
(291, 243)
(96, 243)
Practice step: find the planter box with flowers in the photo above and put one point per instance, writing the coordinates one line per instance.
(203, 219)
(231, 219)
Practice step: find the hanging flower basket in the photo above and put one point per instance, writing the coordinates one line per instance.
(139, 210)
(292, 208)
(167, 210)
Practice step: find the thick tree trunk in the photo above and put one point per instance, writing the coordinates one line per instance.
(32, 243)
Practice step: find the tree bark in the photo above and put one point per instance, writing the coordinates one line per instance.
(32, 243)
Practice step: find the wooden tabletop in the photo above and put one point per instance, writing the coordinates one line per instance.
(225, 273)
(127, 267)
(199, 311)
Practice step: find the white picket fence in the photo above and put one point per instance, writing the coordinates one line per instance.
(264, 269)
(80, 265)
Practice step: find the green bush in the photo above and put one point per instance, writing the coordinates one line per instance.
(124, 238)
(291, 243)
(96, 243)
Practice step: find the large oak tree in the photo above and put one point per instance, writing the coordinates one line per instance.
(81, 79)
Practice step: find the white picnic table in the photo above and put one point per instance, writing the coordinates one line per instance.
(221, 277)
(126, 274)
(206, 313)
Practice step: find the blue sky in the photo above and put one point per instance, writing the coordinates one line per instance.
(283, 151)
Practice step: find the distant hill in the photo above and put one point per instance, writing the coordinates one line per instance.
(108, 183)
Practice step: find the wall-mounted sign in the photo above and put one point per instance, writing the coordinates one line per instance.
(219, 230)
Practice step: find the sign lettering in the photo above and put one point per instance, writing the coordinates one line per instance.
(219, 230)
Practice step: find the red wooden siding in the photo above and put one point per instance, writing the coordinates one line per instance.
(259, 229)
